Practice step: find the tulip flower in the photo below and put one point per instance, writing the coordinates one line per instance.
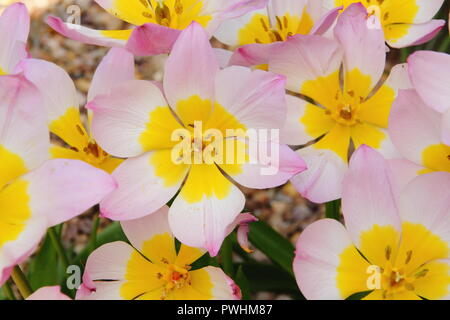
(158, 23)
(405, 23)
(36, 194)
(61, 104)
(259, 32)
(151, 268)
(335, 114)
(430, 74)
(138, 121)
(14, 29)
(391, 248)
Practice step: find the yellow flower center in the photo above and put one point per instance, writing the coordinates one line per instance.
(394, 276)
(261, 30)
(175, 277)
(176, 14)
(93, 154)
(346, 110)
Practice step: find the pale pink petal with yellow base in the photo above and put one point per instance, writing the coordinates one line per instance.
(317, 259)
(223, 288)
(416, 34)
(55, 84)
(107, 263)
(228, 31)
(15, 252)
(120, 118)
(151, 236)
(14, 29)
(303, 58)
(364, 48)
(84, 186)
(55, 192)
(415, 202)
(24, 138)
(427, 9)
(413, 126)
(368, 197)
(140, 230)
(145, 184)
(190, 67)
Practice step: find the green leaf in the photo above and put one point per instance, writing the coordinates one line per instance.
(45, 269)
(359, 295)
(6, 292)
(243, 283)
(272, 244)
(333, 209)
(226, 256)
(271, 278)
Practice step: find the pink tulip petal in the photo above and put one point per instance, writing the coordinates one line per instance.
(152, 39)
(115, 68)
(83, 34)
(368, 195)
(417, 33)
(430, 74)
(14, 29)
(48, 293)
(191, 67)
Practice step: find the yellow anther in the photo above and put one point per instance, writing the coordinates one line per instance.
(388, 252)
(175, 277)
(374, 10)
(346, 112)
(178, 7)
(162, 13)
(408, 256)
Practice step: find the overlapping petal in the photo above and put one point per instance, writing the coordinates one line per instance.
(415, 131)
(24, 138)
(327, 265)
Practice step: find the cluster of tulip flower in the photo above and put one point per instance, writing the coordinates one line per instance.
(311, 71)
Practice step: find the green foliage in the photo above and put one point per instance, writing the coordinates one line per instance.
(273, 245)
